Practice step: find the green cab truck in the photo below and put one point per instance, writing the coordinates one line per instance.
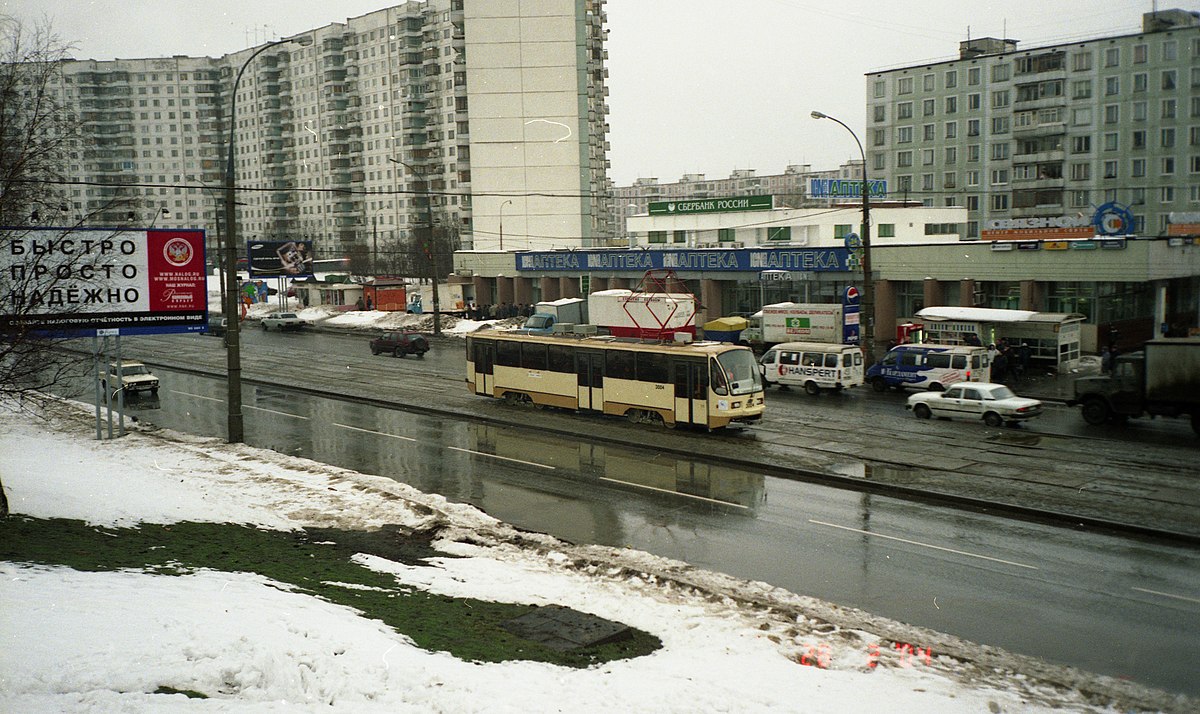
(1161, 379)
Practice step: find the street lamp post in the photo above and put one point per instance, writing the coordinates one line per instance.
(502, 205)
(867, 313)
(233, 350)
(432, 252)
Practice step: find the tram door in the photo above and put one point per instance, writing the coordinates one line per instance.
(589, 369)
(484, 357)
(691, 391)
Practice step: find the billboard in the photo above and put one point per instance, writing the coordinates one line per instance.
(79, 282)
(279, 258)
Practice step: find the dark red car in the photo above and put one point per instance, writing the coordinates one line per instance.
(399, 344)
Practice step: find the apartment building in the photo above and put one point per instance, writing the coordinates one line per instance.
(1045, 135)
(468, 112)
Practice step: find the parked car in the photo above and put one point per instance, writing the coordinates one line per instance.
(399, 344)
(995, 404)
(130, 376)
(218, 326)
(284, 321)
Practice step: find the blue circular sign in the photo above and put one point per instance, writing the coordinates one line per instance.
(853, 242)
(1113, 219)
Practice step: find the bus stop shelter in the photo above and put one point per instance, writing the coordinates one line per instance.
(1052, 336)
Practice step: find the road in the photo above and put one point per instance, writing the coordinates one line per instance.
(1121, 607)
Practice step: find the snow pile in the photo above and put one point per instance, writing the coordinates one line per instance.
(100, 642)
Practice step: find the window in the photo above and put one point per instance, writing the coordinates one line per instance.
(1001, 72)
(1111, 141)
(974, 101)
(1112, 57)
(656, 237)
(951, 79)
(725, 235)
(927, 157)
(1140, 81)
(1081, 89)
(1081, 117)
(972, 127)
(973, 153)
(1140, 54)
(1168, 80)
(1081, 145)
(1000, 151)
(1166, 194)
(1081, 172)
(904, 85)
(619, 364)
(1081, 61)
(999, 177)
(904, 110)
(780, 233)
(951, 105)
(951, 130)
(679, 236)
(880, 162)
(841, 230)
(928, 132)
(1139, 139)
(927, 82)
(1112, 86)
(1000, 99)
(1138, 168)
(886, 230)
(1195, 113)
(1168, 108)
(973, 75)
(903, 158)
(1168, 166)
(999, 202)
(928, 107)
(949, 180)
(904, 135)
(879, 137)
(973, 203)
(972, 178)
(879, 113)
(1080, 199)
(1166, 138)
(1112, 113)
(880, 86)
(1000, 125)
(1194, 165)
(1139, 111)
(1110, 169)
(951, 155)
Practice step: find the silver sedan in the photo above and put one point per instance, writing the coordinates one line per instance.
(995, 404)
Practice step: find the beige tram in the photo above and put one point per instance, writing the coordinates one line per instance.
(708, 384)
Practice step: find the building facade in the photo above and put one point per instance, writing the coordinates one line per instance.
(1030, 136)
(469, 112)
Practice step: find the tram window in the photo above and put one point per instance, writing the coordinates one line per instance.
(508, 354)
(561, 359)
(533, 356)
(652, 367)
(619, 364)
(717, 379)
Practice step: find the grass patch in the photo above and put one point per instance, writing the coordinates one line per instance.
(465, 627)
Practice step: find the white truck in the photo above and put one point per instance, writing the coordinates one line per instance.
(625, 313)
(555, 312)
(797, 322)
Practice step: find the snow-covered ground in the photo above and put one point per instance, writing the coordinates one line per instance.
(75, 641)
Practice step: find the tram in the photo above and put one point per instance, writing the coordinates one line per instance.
(708, 384)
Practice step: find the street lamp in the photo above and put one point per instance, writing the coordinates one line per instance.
(867, 313)
(502, 205)
(233, 350)
(432, 251)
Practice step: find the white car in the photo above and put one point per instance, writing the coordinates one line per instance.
(284, 321)
(130, 376)
(995, 404)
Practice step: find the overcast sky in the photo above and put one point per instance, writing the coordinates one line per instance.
(696, 86)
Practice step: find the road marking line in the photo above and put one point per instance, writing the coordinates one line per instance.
(503, 458)
(673, 493)
(925, 545)
(197, 396)
(272, 411)
(1176, 597)
(377, 433)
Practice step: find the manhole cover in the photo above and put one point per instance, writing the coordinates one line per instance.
(562, 628)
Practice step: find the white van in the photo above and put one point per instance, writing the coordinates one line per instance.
(813, 365)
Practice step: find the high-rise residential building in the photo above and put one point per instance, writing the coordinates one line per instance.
(468, 112)
(1044, 136)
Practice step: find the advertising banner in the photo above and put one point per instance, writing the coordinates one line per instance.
(279, 258)
(715, 260)
(73, 282)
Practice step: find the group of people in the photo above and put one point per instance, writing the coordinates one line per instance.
(498, 312)
(1008, 361)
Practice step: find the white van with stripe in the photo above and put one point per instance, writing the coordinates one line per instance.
(813, 365)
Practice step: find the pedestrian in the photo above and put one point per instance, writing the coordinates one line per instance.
(1105, 359)
(370, 304)
(359, 304)
(999, 367)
